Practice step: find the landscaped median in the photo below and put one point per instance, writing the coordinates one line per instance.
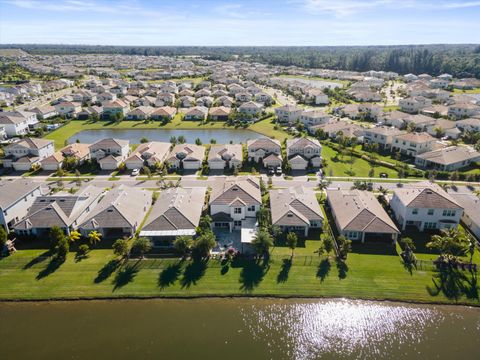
(367, 274)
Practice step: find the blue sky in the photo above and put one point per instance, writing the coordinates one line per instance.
(246, 22)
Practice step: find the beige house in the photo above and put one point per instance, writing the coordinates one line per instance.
(262, 148)
(110, 152)
(288, 113)
(360, 217)
(196, 113)
(25, 153)
(219, 113)
(303, 152)
(448, 159)
(225, 156)
(78, 151)
(148, 154)
(186, 156)
(381, 135)
(164, 113)
(295, 209)
(414, 143)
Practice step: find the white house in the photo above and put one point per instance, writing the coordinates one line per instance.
(26, 152)
(14, 125)
(426, 206)
(471, 216)
(303, 152)
(259, 149)
(381, 135)
(414, 104)
(450, 158)
(414, 143)
(288, 113)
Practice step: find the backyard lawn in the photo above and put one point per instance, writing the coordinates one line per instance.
(366, 274)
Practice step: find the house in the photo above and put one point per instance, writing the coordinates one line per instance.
(414, 104)
(78, 151)
(419, 122)
(435, 111)
(67, 108)
(365, 95)
(165, 100)
(463, 110)
(119, 213)
(203, 92)
(220, 113)
(14, 125)
(250, 108)
(164, 113)
(186, 156)
(140, 113)
(45, 112)
(470, 124)
(288, 113)
(412, 144)
(304, 152)
(471, 216)
(235, 202)
(176, 212)
(426, 206)
(381, 135)
(187, 101)
(26, 152)
(259, 149)
(110, 152)
(63, 210)
(443, 127)
(295, 209)
(16, 197)
(360, 217)
(149, 154)
(196, 113)
(263, 98)
(112, 108)
(314, 117)
(450, 158)
(224, 101)
(316, 96)
(334, 128)
(225, 156)
(393, 118)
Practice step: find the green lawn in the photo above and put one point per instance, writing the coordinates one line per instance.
(374, 275)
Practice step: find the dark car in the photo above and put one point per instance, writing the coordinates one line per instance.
(384, 175)
(270, 171)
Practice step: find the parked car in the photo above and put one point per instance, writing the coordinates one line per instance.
(384, 175)
(270, 171)
(135, 172)
(278, 170)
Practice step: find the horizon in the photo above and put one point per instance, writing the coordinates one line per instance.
(239, 23)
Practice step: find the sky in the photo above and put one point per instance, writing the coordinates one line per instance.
(239, 22)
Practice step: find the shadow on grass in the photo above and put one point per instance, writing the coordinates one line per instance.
(169, 275)
(194, 271)
(37, 260)
(323, 269)
(284, 271)
(125, 275)
(52, 266)
(342, 268)
(107, 270)
(80, 256)
(454, 284)
(252, 274)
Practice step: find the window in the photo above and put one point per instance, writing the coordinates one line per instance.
(414, 211)
(251, 208)
(430, 225)
(449, 212)
(237, 210)
(431, 211)
(352, 234)
(237, 223)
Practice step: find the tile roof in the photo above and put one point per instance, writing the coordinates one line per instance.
(294, 206)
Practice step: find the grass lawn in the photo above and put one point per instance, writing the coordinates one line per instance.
(60, 135)
(360, 167)
(344, 82)
(374, 275)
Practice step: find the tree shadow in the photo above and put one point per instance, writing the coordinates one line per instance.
(169, 275)
(125, 275)
(37, 260)
(52, 266)
(225, 268)
(454, 284)
(342, 268)
(251, 275)
(79, 257)
(323, 269)
(193, 272)
(107, 270)
(284, 271)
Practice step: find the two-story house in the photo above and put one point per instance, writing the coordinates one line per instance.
(265, 150)
(426, 206)
(381, 135)
(414, 104)
(288, 113)
(25, 153)
(110, 152)
(66, 108)
(303, 152)
(149, 154)
(414, 143)
(14, 125)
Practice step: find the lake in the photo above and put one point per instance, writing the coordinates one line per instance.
(222, 136)
(240, 328)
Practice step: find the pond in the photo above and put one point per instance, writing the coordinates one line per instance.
(243, 328)
(222, 136)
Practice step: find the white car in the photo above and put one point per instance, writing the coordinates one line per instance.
(135, 172)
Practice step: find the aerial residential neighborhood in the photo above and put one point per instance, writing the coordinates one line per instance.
(288, 179)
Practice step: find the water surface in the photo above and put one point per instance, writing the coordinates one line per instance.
(237, 329)
(222, 136)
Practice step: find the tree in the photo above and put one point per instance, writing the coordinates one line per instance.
(121, 248)
(454, 176)
(371, 172)
(344, 246)
(62, 249)
(183, 245)
(213, 141)
(143, 140)
(173, 140)
(452, 242)
(407, 242)
(204, 224)
(263, 216)
(292, 240)
(83, 250)
(3, 237)
(141, 245)
(204, 243)
(147, 172)
(198, 141)
(74, 236)
(181, 139)
(56, 235)
(94, 237)
(262, 242)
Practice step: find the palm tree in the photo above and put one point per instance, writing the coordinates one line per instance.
(262, 242)
(292, 240)
(472, 245)
(183, 244)
(94, 237)
(453, 242)
(74, 236)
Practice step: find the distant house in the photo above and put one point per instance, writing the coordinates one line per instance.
(360, 217)
(426, 206)
(69, 109)
(448, 159)
(140, 113)
(234, 203)
(148, 154)
(263, 148)
(110, 152)
(111, 108)
(26, 152)
(295, 209)
(250, 108)
(16, 197)
(413, 105)
(444, 128)
(45, 112)
(225, 156)
(288, 113)
(164, 113)
(196, 113)
(314, 117)
(176, 212)
(14, 125)
(165, 100)
(303, 152)
(463, 110)
(381, 135)
(224, 101)
(316, 96)
(119, 213)
(77, 151)
(334, 128)
(470, 124)
(186, 156)
(219, 113)
(412, 144)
